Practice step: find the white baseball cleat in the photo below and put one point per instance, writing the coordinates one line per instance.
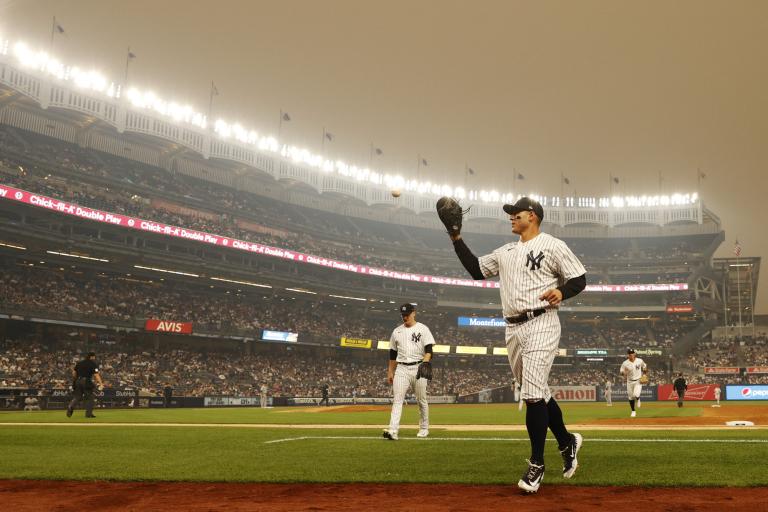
(570, 462)
(423, 433)
(392, 436)
(633, 414)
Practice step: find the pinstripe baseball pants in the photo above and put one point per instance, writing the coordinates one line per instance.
(405, 377)
(532, 347)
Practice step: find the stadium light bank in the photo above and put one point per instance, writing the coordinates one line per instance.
(96, 82)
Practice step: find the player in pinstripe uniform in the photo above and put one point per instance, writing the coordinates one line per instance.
(536, 274)
(409, 346)
(633, 369)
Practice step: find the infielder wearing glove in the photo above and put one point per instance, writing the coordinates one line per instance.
(451, 214)
(425, 371)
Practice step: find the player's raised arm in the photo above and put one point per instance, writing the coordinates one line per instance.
(451, 215)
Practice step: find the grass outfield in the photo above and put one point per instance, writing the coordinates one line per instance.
(485, 414)
(159, 452)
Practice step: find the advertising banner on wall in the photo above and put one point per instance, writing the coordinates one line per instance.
(694, 392)
(288, 337)
(679, 308)
(481, 321)
(574, 393)
(721, 370)
(168, 326)
(234, 401)
(619, 393)
(746, 392)
(356, 342)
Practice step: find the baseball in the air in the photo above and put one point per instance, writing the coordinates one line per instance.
(396, 192)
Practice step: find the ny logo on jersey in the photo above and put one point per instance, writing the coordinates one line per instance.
(416, 337)
(534, 261)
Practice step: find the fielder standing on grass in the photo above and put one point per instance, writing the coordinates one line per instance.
(608, 393)
(634, 369)
(410, 356)
(536, 273)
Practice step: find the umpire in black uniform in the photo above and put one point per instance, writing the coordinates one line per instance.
(680, 387)
(325, 396)
(83, 375)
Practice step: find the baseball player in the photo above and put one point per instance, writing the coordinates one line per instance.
(717, 396)
(632, 369)
(83, 375)
(536, 273)
(410, 356)
(680, 387)
(608, 392)
(263, 396)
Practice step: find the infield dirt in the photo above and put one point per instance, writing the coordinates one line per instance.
(65, 496)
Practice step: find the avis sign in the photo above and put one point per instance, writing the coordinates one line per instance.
(168, 326)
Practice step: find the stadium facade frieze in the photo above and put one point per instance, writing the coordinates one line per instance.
(115, 116)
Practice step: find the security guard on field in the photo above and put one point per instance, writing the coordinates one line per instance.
(83, 375)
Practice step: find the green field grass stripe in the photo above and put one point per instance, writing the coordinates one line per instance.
(515, 439)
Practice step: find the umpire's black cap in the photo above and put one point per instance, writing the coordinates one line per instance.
(407, 309)
(525, 204)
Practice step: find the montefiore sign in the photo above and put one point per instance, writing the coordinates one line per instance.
(481, 321)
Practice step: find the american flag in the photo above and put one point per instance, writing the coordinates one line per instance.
(737, 249)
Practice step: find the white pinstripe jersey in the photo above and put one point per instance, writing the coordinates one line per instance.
(633, 370)
(528, 269)
(410, 342)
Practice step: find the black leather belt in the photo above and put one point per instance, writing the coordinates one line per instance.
(410, 364)
(524, 317)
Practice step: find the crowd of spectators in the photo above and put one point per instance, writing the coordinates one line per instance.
(80, 293)
(300, 373)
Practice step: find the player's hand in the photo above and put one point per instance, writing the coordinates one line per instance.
(553, 296)
(390, 378)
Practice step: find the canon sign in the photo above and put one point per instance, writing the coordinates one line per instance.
(168, 326)
(574, 393)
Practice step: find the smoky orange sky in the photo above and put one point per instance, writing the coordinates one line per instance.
(584, 88)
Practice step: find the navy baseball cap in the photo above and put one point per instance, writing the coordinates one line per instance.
(525, 204)
(407, 308)
(630, 351)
